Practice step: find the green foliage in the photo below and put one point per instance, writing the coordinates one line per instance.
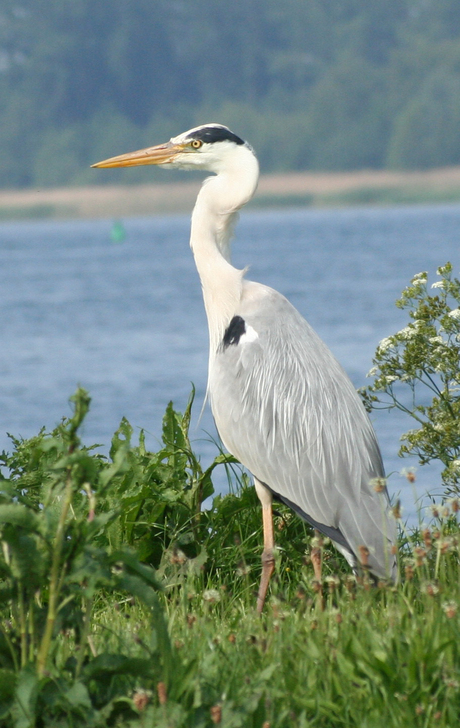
(326, 84)
(91, 635)
(77, 528)
(424, 131)
(52, 569)
(127, 598)
(417, 371)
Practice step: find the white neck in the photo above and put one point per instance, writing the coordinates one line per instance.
(213, 220)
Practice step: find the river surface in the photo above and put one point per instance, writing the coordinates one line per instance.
(126, 321)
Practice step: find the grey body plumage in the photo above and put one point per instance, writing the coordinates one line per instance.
(285, 408)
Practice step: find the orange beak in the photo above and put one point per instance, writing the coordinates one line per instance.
(161, 154)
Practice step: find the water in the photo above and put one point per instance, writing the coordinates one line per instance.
(126, 321)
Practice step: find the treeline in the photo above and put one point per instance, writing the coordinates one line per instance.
(313, 84)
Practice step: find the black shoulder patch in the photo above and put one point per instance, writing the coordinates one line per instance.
(211, 134)
(234, 332)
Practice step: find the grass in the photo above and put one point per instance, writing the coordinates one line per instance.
(369, 658)
(123, 603)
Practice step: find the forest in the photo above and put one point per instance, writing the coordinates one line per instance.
(312, 84)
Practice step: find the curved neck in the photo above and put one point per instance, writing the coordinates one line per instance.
(213, 219)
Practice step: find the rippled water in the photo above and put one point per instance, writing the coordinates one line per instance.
(126, 320)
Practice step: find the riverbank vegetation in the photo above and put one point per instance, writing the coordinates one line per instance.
(321, 85)
(126, 602)
(309, 189)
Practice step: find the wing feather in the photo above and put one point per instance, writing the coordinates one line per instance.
(286, 409)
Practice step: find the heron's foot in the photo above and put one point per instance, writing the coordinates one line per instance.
(268, 567)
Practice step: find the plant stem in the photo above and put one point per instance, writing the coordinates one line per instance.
(84, 635)
(31, 631)
(23, 624)
(55, 581)
(11, 648)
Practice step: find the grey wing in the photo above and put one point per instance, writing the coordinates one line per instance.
(286, 409)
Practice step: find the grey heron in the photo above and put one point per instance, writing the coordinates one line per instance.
(283, 405)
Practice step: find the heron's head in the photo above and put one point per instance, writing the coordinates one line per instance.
(211, 147)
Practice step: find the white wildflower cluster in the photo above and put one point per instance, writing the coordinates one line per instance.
(408, 332)
(391, 378)
(406, 378)
(438, 284)
(455, 313)
(385, 344)
(436, 340)
(419, 278)
(372, 372)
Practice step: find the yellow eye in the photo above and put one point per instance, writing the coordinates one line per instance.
(196, 144)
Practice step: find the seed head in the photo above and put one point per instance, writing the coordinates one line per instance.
(409, 571)
(350, 585)
(420, 555)
(451, 683)
(426, 534)
(378, 484)
(445, 544)
(177, 557)
(431, 589)
(162, 696)
(216, 714)
(212, 596)
(141, 700)
(454, 504)
(450, 609)
(332, 583)
(409, 473)
(243, 569)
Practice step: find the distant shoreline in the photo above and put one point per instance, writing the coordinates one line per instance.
(313, 189)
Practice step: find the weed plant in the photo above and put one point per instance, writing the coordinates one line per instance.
(125, 602)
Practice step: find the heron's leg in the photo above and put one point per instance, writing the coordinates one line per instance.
(268, 559)
(316, 556)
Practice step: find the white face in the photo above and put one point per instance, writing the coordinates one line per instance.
(204, 147)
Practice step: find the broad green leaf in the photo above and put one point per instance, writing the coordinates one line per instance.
(8, 680)
(19, 515)
(26, 695)
(78, 696)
